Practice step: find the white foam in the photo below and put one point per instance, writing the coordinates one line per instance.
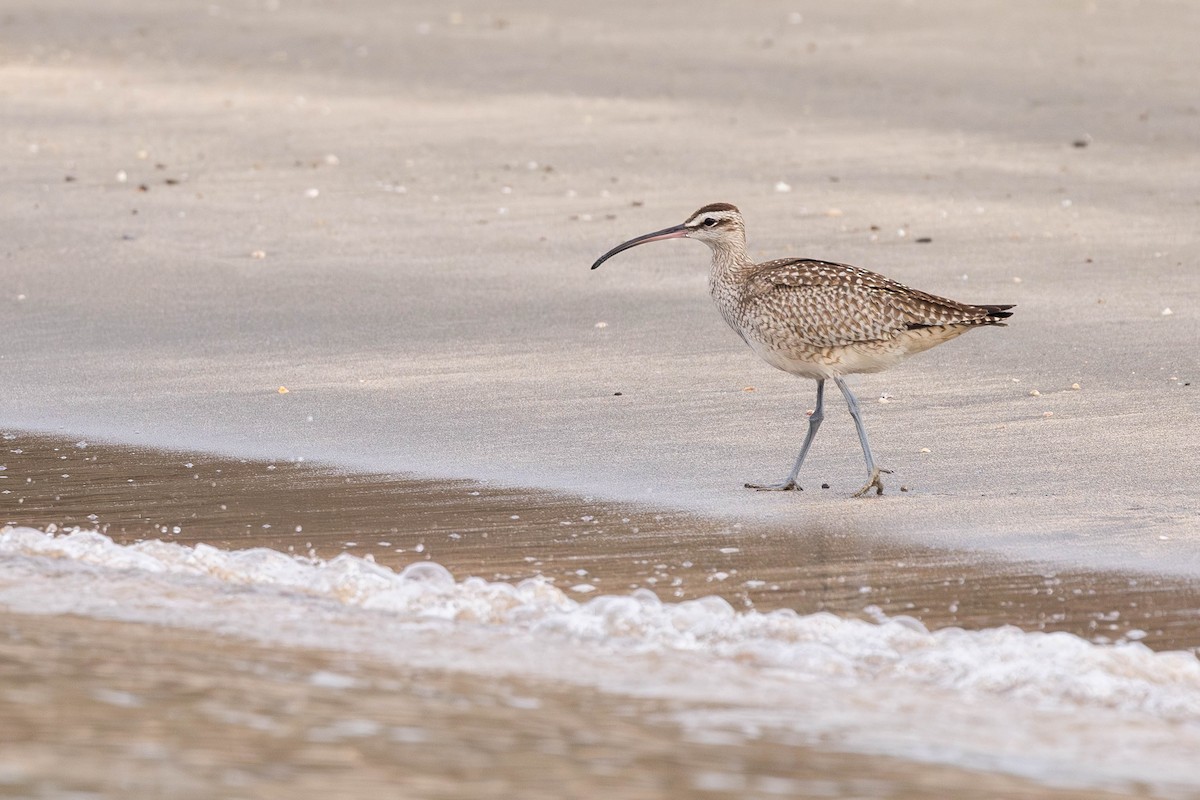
(851, 682)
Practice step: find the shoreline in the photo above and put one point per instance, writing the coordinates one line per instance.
(585, 546)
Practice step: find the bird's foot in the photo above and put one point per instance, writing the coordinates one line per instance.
(784, 486)
(873, 483)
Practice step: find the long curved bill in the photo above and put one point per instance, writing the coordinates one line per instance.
(674, 232)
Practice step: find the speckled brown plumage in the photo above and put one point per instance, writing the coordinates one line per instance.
(821, 319)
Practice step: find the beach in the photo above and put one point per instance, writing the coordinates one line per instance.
(314, 280)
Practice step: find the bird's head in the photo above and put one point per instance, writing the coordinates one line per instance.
(718, 225)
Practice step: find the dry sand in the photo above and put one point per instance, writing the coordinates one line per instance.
(390, 211)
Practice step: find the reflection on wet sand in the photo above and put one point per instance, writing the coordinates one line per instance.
(584, 546)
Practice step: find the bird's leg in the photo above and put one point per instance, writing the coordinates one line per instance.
(873, 481)
(814, 422)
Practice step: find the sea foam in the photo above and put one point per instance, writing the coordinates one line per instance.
(1043, 670)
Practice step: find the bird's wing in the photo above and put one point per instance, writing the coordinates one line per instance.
(826, 304)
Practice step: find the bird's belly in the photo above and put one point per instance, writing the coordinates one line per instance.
(817, 363)
(808, 360)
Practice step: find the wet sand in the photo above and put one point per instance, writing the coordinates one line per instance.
(104, 709)
(121, 709)
(134, 494)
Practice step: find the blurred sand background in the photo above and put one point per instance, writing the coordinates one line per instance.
(390, 210)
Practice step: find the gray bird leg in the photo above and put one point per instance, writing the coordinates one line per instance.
(814, 422)
(873, 481)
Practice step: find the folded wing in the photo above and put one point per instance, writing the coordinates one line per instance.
(827, 305)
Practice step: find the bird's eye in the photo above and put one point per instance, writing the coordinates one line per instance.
(709, 222)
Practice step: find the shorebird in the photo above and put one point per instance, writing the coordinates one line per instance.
(818, 320)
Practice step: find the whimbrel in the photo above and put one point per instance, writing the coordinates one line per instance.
(817, 319)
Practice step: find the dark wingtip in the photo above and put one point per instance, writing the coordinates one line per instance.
(999, 312)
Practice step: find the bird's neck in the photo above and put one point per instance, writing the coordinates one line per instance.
(728, 259)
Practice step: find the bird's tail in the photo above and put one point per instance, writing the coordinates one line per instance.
(998, 312)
